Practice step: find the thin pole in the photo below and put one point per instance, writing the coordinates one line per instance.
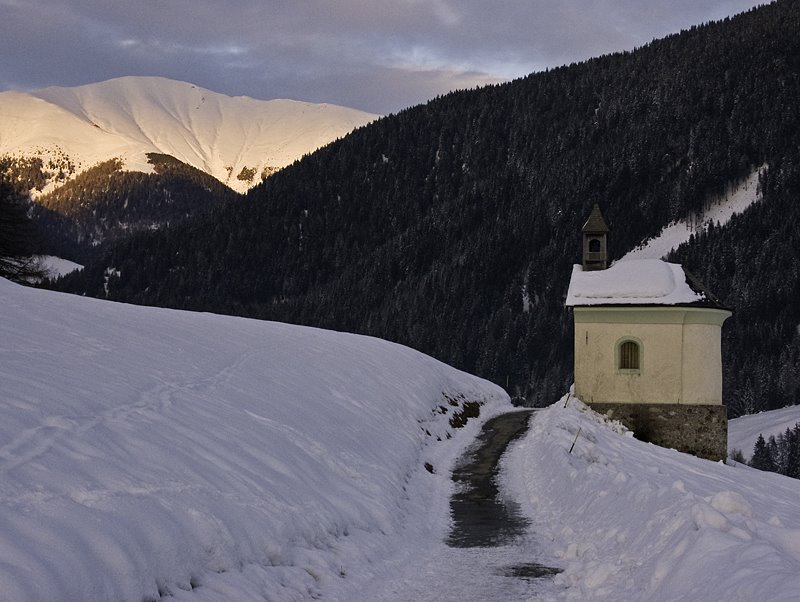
(576, 438)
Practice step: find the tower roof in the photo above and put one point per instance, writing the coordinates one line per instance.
(595, 223)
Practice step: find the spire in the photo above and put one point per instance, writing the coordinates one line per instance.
(595, 224)
(595, 241)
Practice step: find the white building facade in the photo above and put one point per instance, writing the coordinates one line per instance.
(647, 348)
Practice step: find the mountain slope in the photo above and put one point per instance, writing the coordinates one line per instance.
(107, 159)
(235, 139)
(149, 452)
(452, 227)
(106, 203)
(744, 431)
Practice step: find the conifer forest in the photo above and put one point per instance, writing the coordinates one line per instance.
(452, 226)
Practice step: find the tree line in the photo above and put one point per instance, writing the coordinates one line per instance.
(779, 454)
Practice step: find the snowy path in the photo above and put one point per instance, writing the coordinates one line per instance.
(481, 517)
(446, 574)
(489, 552)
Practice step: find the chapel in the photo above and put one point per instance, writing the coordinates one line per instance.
(647, 347)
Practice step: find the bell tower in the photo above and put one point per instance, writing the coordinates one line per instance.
(595, 241)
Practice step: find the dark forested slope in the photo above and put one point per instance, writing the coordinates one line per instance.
(754, 263)
(452, 226)
(105, 203)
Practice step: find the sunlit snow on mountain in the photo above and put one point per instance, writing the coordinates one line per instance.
(235, 139)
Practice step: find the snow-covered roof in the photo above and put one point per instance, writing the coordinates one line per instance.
(637, 282)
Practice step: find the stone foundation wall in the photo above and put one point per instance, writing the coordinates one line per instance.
(701, 430)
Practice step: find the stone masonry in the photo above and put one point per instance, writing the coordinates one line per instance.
(701, 430)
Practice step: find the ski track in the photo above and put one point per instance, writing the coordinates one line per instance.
(37, 441)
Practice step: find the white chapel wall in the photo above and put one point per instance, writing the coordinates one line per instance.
(680, 355)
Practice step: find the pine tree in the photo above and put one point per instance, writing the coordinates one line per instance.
(17, 239)
(793, 453)
(762, 458)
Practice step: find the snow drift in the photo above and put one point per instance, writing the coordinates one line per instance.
(150, 451)
(628, 520)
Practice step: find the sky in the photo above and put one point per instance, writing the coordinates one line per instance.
(378, 55)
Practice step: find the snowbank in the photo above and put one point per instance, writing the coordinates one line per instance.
(631, 521)
(149, 451)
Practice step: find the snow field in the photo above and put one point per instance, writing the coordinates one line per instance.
(146, 451)
(627, 520)
(744, 431)
(58, 266)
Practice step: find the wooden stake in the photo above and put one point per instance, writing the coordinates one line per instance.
(576, 439)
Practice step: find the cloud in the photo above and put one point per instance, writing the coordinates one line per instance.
(377, 55)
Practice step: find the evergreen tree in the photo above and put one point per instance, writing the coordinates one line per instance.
(779, 454)
(762, 459)
(793, 453)
(17, 239)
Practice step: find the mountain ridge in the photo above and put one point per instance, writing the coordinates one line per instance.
(235, 139)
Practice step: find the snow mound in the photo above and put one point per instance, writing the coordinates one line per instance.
(150, 452)
(628, 520)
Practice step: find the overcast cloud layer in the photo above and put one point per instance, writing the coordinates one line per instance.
(374, 55)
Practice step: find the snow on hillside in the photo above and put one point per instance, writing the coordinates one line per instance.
(148, 452)
(720, 210)
(628, 520)
(744, 431)
(58, 266)
(130, 116)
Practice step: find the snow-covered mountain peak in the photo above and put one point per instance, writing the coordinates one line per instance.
(235, 139)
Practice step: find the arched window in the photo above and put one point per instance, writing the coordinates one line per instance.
(629, 355)
(594, 245)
